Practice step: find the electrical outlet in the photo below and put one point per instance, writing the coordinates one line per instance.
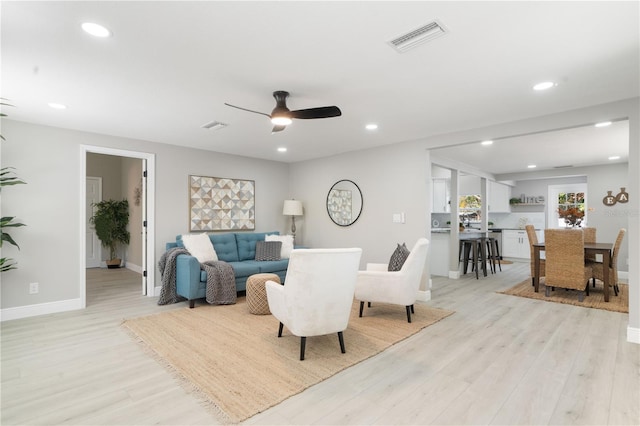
(34, 288)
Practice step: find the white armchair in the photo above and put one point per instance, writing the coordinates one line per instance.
(318, 293)
(376, 284)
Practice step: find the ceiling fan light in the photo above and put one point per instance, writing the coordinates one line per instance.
(281, 120)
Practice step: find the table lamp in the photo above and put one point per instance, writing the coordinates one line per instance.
(292, 208)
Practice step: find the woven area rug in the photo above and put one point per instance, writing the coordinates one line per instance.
(619, 303)
(236, 362)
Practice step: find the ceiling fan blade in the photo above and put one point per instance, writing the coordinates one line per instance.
(249, 110)
(278, 129)
(320, 112)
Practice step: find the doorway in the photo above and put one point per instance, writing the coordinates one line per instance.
(142, 192)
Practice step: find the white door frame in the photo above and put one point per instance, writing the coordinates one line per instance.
(150, 193)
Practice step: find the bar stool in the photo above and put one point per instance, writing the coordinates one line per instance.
(472, 250)
(495, 253)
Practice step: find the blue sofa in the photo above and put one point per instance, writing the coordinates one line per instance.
(237, 249)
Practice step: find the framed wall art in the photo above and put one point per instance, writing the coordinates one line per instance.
(221, 204)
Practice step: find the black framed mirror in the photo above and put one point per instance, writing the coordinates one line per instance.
(344, 202)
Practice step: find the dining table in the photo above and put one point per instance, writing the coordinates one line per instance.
(589, 248)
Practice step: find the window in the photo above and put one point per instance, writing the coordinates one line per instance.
(567, 205)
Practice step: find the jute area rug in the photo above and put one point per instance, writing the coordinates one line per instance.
(619, 303)
(238, 365)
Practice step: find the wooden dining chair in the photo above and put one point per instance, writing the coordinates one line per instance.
(533, 239)
(564, 263)
(589, 237)
(599, 268)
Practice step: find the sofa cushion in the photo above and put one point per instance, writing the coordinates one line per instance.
(268, 250)
(245, 268)
(247, 244)
(200, 247)
(287, 244)
(225, 246)
(274, 266)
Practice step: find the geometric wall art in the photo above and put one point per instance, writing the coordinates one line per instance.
(221, 204)
(339, 206)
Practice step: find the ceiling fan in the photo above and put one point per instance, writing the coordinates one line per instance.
(281, 116)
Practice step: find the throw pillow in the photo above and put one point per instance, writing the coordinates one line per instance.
(287, 244)
(268, 250)
(200, 247)
(398, 257)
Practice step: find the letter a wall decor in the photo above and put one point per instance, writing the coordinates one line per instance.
(221, 204)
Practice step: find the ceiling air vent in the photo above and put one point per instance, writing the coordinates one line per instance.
(420, 35)
(563, 167)
(214, 125)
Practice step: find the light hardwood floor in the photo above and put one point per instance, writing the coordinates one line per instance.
(498, 360)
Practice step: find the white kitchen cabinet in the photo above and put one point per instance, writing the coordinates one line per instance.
(499, 195)
(441, 196)
(515, 243)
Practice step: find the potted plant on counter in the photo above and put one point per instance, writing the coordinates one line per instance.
(110, 220)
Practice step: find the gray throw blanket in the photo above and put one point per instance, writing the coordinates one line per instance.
(221, 286)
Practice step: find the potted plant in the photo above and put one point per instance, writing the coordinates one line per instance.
(110, 220)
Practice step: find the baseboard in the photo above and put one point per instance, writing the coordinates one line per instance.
(633, 335)
(8, 314)
(454, 275)
(624, 276)
(424, 296)
(134, 267)
(157, 290)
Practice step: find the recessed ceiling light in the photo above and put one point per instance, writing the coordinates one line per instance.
(603, 124)
(282, 149)
(96, 30)
(371, 126)
(614, 157)
(544, 85)
(531, 166)
(55, 105)
(486, 142)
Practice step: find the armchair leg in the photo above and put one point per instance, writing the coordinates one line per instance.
(412, 311)
(341, 339)
(408, 313)
(581, 295)
(546, 292)
(192, 303)
(303, 341)
(280, 330)
(361, 308)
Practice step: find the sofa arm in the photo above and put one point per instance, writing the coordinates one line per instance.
(187, 276)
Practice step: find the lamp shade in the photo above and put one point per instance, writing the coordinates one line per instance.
(292, 208)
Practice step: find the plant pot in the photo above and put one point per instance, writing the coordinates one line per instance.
(114, 263)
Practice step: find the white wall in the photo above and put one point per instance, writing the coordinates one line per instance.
(48, 159)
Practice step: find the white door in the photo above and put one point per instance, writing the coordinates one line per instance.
(144, 226)
(94, 248)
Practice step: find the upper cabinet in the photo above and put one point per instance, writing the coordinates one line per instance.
(441, 196)
(499, 195)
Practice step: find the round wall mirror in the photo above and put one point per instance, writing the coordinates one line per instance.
(344, 202)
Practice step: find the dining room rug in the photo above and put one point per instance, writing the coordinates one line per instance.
(619, 303)
(237, 365)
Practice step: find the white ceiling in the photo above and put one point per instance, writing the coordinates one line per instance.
(170, 67)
